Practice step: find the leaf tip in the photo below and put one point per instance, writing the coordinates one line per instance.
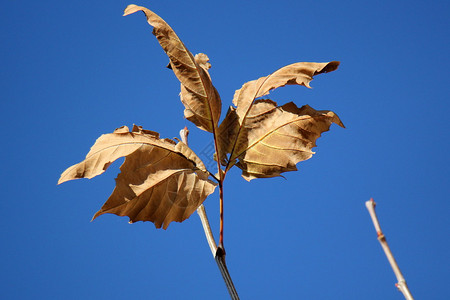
(100, 212)
(337, 120)
(331, 66)
(130, 9)
(68, 175)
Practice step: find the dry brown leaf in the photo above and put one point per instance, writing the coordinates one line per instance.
(160, 181)
(110, 147)
(274, 139)
(159, 186)
(229, 135)
(299, 73)
(200, 98)
(232, 132)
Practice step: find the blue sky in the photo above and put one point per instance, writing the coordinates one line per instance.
(73, 71)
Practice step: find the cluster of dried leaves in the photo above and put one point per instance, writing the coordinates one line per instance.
(162, 180)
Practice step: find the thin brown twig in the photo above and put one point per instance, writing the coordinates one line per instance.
(217, 252)
(221, 217)
(401, 282)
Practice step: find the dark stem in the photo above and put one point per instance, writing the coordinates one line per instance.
(220, 260)
(213, 176)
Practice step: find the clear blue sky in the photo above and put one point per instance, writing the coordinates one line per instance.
(71, 71)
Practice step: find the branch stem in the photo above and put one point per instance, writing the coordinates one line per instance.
(213, 176)
(401, 282)
(220, 260)
(207, 229)
(217, 252)
(221, 216)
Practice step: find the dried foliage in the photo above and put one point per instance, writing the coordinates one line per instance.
(162, 180)
(265, 138)
(272, 139)
(199, 96)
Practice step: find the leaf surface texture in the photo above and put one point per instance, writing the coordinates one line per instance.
(160, 181)
(260, 136)
(278, 137)
(199, 96)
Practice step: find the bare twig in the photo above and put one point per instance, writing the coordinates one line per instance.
(401, 282)
(217, 252)
(207, 229)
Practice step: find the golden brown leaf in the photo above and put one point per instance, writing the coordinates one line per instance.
(232, 131)
(160, 181)
(110, 147)
(298, 73)
(159, 186)
(200, 98)
(274, 139)
(229, 135)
